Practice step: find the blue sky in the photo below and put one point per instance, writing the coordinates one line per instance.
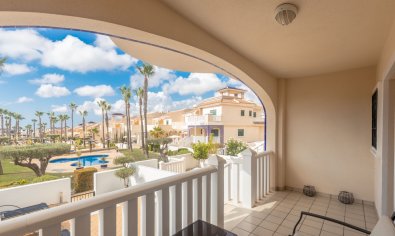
(49, 68)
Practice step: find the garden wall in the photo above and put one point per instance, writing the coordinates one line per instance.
(49, 192)
(190, 162)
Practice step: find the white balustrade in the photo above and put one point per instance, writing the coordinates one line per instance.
(174, 165)
(249, 177)
(158, 216)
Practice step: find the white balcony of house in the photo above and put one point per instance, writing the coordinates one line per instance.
(207, 119)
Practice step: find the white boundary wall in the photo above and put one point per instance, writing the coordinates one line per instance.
(106, 181)
(49, 192)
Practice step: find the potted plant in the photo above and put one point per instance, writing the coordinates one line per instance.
(103, 162)
(79, 164)
(124, 173)
(200, 152)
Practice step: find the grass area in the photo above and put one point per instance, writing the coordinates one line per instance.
(138, 154)
(14, 174)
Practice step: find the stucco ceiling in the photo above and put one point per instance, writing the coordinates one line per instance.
(326, 36)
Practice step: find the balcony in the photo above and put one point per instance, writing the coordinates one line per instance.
(203, 120)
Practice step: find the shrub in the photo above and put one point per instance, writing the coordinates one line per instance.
(124, 173)
(178, 152)
(19, 182)
(123, 160)
(25, 155)
(83, 179)
(160, 145)
(234, 147)
(44, 178)
(200, 151)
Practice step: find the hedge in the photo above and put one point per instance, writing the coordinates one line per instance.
(83, 179)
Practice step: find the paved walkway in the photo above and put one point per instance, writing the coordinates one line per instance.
(278, 214)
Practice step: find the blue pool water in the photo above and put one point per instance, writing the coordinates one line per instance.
(85, 160)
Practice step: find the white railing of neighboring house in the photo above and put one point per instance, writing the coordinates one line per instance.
(202, 119)
(174, 165)
(167, 205)
(248, 177)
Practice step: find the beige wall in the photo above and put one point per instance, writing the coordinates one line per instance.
(328, 132)
(251, 133)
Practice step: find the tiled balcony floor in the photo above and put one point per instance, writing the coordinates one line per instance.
(279, 212)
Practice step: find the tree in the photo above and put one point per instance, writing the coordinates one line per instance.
(94, 132)
(160, 145)
(124, 173)
(107, 108)
(126, 94)
(35, 157)
(157, 132)
(61, 119)
(234, 147)
(51, 117)
(2, 112)
(18, 117)
(140, 94)
(39, 114)
(28, 130)
(102, 104)
(83, 113)
(147, 71)
(73, 107)
(66, 118)
(34, 127)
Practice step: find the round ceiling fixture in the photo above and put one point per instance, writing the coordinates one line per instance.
(286, 13)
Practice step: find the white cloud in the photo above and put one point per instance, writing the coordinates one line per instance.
(49, 90)
(195, 83)
(95, 91)
(59, 108)
(16, 69)
(24, 100)
(91, 106)
(161, 75)
(49, 79)
(119, 107)
(104, 42)
(69, 54)
(74, 55)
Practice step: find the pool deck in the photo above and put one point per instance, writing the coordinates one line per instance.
(66, 167)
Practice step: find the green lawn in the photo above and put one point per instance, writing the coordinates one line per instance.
(14, 173)
(138, 155)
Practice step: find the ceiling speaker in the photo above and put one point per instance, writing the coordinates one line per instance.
(286, 13)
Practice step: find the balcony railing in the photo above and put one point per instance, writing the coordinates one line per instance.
(160, 207)
(202, 119)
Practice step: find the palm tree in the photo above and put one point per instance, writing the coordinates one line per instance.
(61, 119)
(94, 131)
(157, 132)
(28, 130)
(102, 104)
(127, 94)
(140, 94)
(34, 127)
(2, 112)
(44, 128)
(51, 117)
(66, 118)
(39, 114)
(73, 107)
(147, 71)
(107, 108)
(18, 117)
(83, 114)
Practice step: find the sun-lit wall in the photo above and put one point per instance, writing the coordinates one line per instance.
(328, 130)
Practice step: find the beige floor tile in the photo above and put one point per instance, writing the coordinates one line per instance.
(269, 225)
(325, 233)
(246, 226)
(279, 214)
(355, 216)
(350, 232)
(240, 232)
(284, 230)
(274, 219)
(259, 231)
(309, 230)
(312, 223)
(359, 223)
(289, 224)
(333, 228)
(253, 220)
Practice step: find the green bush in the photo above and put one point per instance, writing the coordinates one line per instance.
(83, 179)
(123, 160)
(44, 178)
(138, 154)
(20, 182)
(234, 147)
(200, 150)
(124, 174)
(178, 152)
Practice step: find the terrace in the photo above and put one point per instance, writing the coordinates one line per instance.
(316, 78)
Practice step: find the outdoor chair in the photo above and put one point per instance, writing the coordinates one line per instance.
(384, 227)
(22, 211)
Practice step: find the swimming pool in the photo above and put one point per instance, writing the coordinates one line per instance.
(85, 160)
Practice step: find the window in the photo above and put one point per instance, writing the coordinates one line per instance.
(254, 114)
(215, 132)
(240, 132)
(250, 113)
(213, 112)
(242, 112)
(374, 120)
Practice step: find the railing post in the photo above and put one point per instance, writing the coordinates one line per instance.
(217, 190)
(248, 174)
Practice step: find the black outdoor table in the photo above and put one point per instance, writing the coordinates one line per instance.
(202, 228)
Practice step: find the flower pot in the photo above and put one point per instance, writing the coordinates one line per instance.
(103, 166)
(79, 168)
(309, 190)
(346, 197)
